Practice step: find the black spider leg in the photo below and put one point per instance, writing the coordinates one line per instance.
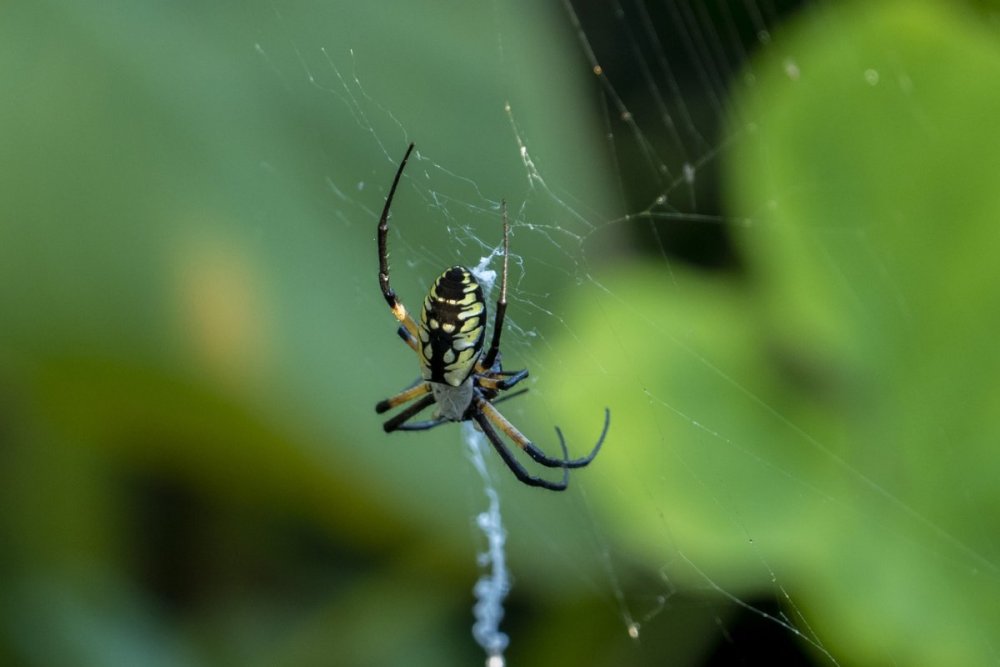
(383, 230)
(497, 381)
(423, 425)
(522, 475)
(396, 422)
(511, 378)
(491, 353)
(549, 462)
(533, 451)
(406, 336)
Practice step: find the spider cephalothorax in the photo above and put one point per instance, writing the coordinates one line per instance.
(456, 374)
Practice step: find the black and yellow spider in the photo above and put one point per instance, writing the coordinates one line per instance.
(455, 373)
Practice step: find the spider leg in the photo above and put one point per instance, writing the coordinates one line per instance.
(581, 462)
(397, 421)
(491, 354)
(424, 425)
(534, 452)
(419, 388)
(522, 475)
(501, 380)
(408, 338)
(398, 310)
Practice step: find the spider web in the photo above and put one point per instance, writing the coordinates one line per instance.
(624, 186)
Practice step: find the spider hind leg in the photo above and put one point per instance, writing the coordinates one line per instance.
(519, 471)
(541, 458)
(537, 454)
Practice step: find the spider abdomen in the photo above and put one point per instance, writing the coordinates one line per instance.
(452, 325)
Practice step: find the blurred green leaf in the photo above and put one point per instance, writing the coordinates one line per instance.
(840, 414)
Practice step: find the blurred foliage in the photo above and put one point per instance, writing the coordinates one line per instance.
(192, 341)
(838, 409)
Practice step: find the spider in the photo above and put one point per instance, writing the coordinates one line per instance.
(455, 373)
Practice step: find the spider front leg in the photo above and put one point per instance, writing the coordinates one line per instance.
(486, 363)
(395, 305)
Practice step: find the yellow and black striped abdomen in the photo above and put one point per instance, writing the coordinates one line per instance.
(451, 327)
